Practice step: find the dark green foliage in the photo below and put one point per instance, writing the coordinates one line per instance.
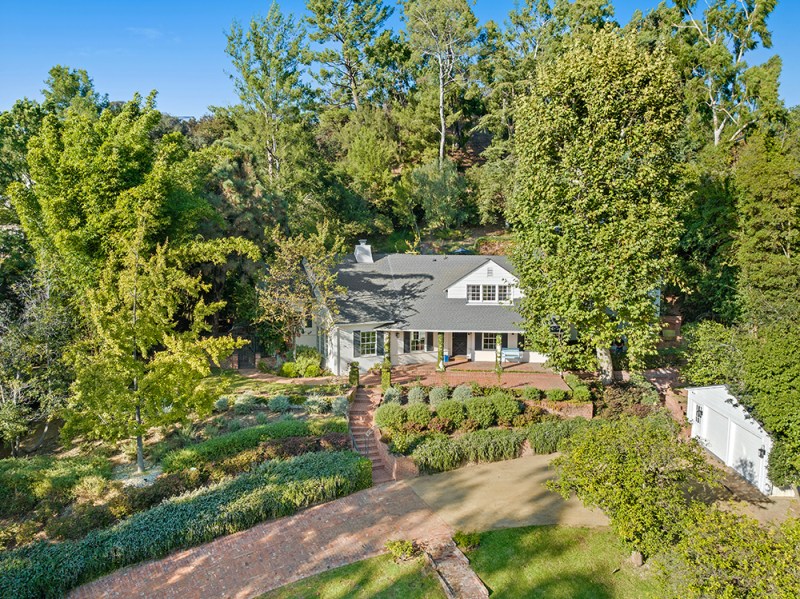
(404, 442)
(505, 406)
(532, 394)
(419, 413)
(452, 410)
(230, 444)
(25, 482)
(390, 416)
(438, 454)
(82, 519)
(277, 489)
(467, 541)
(546, 436)
(491, 445)
(580, 392)
(557, 395)
(482, 411)
(353, 374)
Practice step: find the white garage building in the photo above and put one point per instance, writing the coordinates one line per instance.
(727, 430)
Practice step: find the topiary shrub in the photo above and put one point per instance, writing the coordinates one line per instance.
(390, 416)
(506, 407)
(438, 394)
(462, 392)
(532, 394)
(391, 395)
(316, 404)
(353, 374)
(280, 404)
(340, 405)
(419, 413)
(481, 410)
(452, 410)
(438, 454)
(557, 395)
(417, 394)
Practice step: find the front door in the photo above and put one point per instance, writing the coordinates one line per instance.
(459, 344)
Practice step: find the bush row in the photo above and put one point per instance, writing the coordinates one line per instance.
(276, 489)
(440, 453)
(197, 456)
(437, 395)
(24, 482)
(545, 437)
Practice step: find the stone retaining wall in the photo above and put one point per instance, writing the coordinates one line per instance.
(399, 466)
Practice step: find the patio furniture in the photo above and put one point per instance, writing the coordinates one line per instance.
(508, 354)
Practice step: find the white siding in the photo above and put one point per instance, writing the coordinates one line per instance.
(480, 276)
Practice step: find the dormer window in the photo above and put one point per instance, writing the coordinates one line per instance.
(503, 293)
(488, 294)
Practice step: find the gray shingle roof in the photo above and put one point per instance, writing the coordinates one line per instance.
(407, 292)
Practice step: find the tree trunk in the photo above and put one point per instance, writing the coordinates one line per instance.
(442, 123)
(605, 365)
(139, 444)
(498, 354)
(40, 442)
(440, 352)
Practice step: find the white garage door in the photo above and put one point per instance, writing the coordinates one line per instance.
(715, 433)
(743, 454)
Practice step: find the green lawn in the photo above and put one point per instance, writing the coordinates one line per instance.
(378, 578)
(559, 562)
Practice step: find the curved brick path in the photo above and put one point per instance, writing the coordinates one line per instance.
(278, 552)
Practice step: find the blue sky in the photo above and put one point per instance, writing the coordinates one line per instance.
(178, 47)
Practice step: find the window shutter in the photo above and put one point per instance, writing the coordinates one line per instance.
(379, 338)
(505, 339)
(356, 344)
(521, 341)
(406, 342)
(478, 341)
(429, 341)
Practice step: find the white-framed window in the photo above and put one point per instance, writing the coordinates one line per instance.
(473, 293)
(417, 341)
(369, 343)
(489, 293)
(503, 293)
(489, 341)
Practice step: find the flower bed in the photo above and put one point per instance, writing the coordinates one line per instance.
(279, 488)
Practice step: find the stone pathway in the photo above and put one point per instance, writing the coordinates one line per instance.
(456, 576)
(361, 422)
(275, 553)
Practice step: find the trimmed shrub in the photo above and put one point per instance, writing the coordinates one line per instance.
(308, 365)
(391, 395)
(221, 404)
(506, 408)
(582, 394)
(390, 416)
(532, 394)
(404, 442)
(316, 404)
(452, 410)
(229, 444)
(438, 454)
(340, 405)
(419, 413)
(462, 392)
(557, 395)
(546, 436)
(276, 489)
(289, 370)
(324, 426)
(234, 426)
(481, 410)
(280, 404)
(417, 394)
(437, 395)
(491, 445)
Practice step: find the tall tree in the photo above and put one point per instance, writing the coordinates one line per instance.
(268, 59)
(71, 88)
(443, 32)
(597, 192)
(347, 30)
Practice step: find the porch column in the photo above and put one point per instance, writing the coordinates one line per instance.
(440, 348)
(498, 353)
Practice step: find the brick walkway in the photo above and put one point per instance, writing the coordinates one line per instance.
(279, 552)
(512, 377)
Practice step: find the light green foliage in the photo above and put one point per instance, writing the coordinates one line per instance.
(437, 395)
(402, 549)
(390, 416)
(593, 194)
(462, 392)
(645, 469)
(545, 436)
(277, 489)
(557, 395)
(467, 541)
(730, 555)
(245, 403)
(505, 406)
(481, 410)
(453, 410)
(419, 413)
(440, 453)
(417, 394)
(580, 392)
(532, 394)
(391, 395)
(714, 354)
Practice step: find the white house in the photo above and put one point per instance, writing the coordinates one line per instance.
(727, 430)
(412, 298)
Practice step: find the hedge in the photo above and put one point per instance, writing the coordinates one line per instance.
(276, 489)
(228, 445)
(544, 437)
(438, 454)
(452, 410)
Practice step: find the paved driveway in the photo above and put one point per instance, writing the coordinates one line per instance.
(502, 495)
